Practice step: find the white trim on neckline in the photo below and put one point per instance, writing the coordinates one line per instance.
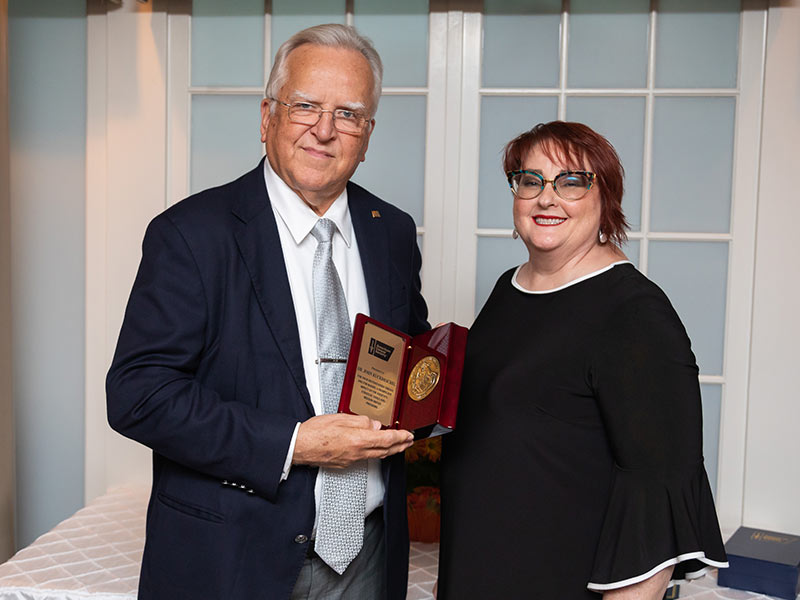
(569, 283)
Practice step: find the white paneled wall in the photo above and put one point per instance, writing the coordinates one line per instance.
(772, 474)
(6, 417)
(126, 186)
(134, 128)
(47, 108)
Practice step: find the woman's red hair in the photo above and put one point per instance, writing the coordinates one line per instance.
(576, 146)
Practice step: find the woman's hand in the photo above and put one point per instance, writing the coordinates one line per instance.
(649, 589)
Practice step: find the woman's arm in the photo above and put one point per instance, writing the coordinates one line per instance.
(649, 589)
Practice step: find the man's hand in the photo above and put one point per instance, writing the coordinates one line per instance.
(339, 440)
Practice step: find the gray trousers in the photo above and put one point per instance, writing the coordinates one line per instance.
(364, 579)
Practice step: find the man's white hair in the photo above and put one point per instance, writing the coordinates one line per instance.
(331, 35)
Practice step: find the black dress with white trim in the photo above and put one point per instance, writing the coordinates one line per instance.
(576, 465)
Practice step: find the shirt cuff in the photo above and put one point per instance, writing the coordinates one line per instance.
(287, 464)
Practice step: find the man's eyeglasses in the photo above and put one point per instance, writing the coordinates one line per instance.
(306, 113)
(569, 185)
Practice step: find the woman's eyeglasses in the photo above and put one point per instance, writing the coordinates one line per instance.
(569, 185)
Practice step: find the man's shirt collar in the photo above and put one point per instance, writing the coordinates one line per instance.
(298, 216)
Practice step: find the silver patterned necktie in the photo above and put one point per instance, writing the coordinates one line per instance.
(340, 529)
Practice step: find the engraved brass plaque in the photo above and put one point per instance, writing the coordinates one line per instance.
(380, 361)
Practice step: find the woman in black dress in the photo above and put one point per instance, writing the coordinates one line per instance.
(576, 467)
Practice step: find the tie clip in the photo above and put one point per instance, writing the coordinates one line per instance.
(330, 360)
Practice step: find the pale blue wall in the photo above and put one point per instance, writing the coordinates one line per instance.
(47, 113)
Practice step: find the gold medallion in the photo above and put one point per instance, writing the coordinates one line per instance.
(423, 378)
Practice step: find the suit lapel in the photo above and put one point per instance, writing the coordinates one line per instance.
(260, 247)
(373, 246)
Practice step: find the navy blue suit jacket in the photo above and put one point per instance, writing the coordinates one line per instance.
(208, 373)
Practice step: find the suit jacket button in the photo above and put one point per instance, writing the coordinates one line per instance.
(300, 539)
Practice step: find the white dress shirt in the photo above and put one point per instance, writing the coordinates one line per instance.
(295, 220)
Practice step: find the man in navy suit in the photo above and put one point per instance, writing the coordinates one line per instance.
(216, 367)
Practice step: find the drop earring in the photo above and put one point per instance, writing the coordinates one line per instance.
(602, 237)
(514, 233)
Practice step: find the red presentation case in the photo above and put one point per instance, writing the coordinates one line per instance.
(405, 382)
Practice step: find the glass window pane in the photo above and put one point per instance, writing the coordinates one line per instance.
(694, 276)
(503, 119)
(697, 43)
(495, 256)
(692, 164)
(420, 241)
(520, 43)
(228, 42)
(621, 121)
(608, 43)
(631, 250)
(712, 410)
(225, 137)
(399, 31)
(395, 165)
(290, 16)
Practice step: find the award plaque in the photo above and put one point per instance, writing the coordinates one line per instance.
(404, 382)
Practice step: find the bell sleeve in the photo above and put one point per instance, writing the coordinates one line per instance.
(660, 510)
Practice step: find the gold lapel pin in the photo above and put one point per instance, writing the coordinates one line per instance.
(376, 214)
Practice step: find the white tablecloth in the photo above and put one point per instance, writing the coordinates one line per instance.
(95, 554)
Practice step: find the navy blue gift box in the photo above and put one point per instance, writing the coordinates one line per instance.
(762, 561)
